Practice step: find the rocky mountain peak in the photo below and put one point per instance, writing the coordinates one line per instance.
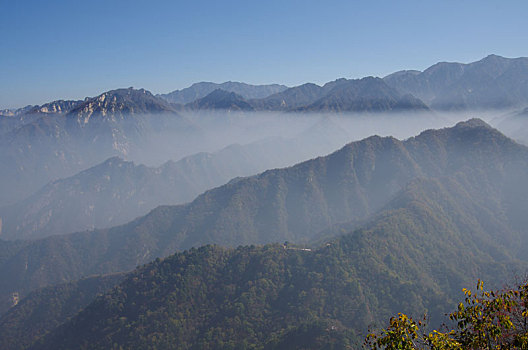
(473, 123)
(121, 102)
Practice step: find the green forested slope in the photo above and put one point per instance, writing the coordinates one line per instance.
(46, 308)
(414, 256)
(296, 203)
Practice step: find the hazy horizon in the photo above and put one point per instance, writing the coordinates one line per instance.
(54, 51)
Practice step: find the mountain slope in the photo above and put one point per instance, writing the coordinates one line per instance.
(117, 191)
(47, 308)
(414, 256)
(221, 100)
(12, 119)
(492, 83)
(292, 204)
(291, 98)
(121, 122)
(365, 95)
(342, 95)
(515, 125)
(55, 107)
(117, 104)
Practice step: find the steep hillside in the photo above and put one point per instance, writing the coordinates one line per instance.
(515, 125)
(118, 104)
(47, 308)
(414, 256)
(296, 204)
(117, 191)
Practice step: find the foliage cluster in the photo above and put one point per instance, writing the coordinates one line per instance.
(484, 320)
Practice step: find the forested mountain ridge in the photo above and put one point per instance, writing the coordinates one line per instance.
(414, 256)
(416, 219)
(45, 309)
(293, 204)
(117, 191)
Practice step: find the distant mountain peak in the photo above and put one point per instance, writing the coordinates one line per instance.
(202, 89)
(493, 57)
(368, 94)
(120, 102)
(223, 100)
(473, 123)
(403, 73)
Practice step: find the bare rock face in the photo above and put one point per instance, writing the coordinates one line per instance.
(60, 138)
(116, 104)
(55, 107)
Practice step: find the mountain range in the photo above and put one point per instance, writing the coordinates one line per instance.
(56, 142)
(381, 225)
(117, 191)
(494, 82)
(485, 172)
(61, 138)
(364, 95)
(200, 90)
(429, 215)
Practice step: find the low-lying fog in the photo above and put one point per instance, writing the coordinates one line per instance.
(221, 129)
(112, 192)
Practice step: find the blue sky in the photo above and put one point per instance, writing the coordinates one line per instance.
(73, 49)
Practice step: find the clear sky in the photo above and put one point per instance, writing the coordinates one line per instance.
(51, 49)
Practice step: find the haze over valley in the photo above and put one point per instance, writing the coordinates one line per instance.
(231, 215)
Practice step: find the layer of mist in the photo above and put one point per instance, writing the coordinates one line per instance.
(66, 184)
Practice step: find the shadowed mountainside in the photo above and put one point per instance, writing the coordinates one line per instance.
(494, 82)
(295, 204)
(47, 308)
(414, 255)
(117, 191)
